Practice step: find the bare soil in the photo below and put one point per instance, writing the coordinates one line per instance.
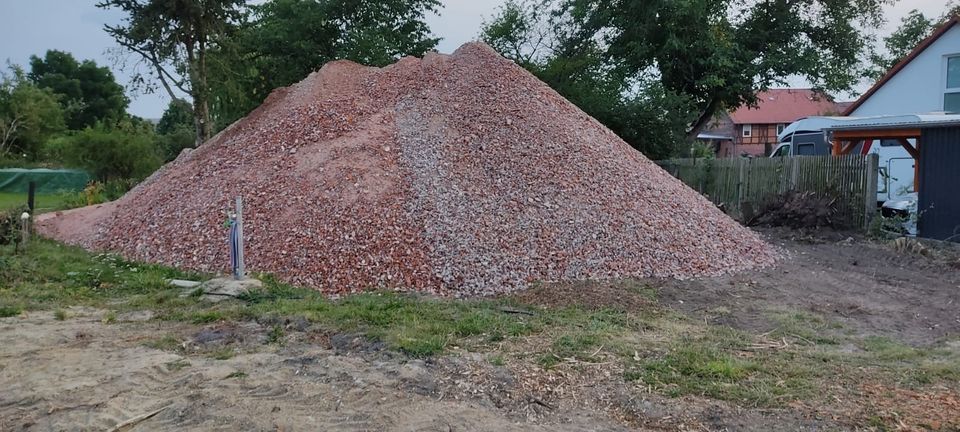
(82, 373)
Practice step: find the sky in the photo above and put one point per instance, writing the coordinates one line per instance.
(30, 27)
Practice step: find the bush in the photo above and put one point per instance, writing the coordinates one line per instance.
(171, 144)
(10, 225)
(110, 154)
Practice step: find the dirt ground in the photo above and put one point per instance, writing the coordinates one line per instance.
(84, 374)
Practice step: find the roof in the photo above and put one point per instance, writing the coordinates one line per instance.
(785, 106)
(903, 63)
(714, 136)
(812, 124)
(898, 122)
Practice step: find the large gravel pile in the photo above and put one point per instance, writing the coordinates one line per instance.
(459, 173)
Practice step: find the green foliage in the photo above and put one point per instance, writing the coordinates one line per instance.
(913, 29)
(10, 225)
(285, 40)
(175, 131)
(641, 110)
(111, 154)
(29, 115)
(174, 37)
(88, 93)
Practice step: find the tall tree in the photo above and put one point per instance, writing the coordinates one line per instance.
(88, 93)
(913, 29)
(720, 52)
(551, 45)
(173, 38)
(29, 115)
(285, 40)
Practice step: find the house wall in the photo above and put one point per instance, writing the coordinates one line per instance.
(761, 141)
(918, 87)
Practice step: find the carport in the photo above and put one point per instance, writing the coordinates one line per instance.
(936, 152)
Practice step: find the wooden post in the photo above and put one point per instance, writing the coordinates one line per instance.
(870, 191)
(31, 195)
(240, 269)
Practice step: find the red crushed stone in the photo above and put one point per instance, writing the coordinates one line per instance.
(455, 174)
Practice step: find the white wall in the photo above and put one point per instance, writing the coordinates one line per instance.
(918, 87)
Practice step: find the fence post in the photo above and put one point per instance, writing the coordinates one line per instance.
(870, 191)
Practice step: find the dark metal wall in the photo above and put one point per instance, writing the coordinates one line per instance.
(940, 183)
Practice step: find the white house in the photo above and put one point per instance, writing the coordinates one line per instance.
(926, 81)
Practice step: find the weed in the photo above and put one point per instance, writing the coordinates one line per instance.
(275, 336)
(207, 317)
(237, 374)
(110, 317)
(9, 311)
(497, 360)
(165, 343)
(60, 315)
(225, 353)
(177, 365)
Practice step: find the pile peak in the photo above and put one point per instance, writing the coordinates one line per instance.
(458, 174)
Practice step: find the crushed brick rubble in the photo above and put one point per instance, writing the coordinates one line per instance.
(455, 174)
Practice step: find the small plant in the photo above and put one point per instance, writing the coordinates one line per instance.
(225, 353)
(110, 317)
(60, 314)
(497, 360)
(177, 365)
(237, 374)
(165, 343)
(9, 311)
(275, 336)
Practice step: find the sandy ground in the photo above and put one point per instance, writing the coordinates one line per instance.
(83, 374)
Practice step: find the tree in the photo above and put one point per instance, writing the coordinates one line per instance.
(285, 40)
(88, 93)
(173, 38)
(175, 130)
(29, 115)
(720, 53)
(914, 28)
(640, 110)
(124, 152)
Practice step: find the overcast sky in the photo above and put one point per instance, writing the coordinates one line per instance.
(30, 27)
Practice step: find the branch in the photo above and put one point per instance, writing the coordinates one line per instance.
(162, 73)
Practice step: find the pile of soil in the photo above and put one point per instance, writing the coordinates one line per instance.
(458, 174)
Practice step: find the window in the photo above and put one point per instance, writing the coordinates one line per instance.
(784, 150)
(780, 128)
(951, 95)
(806, 149)
(747, 131)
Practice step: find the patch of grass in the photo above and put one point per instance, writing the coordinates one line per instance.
(207, 317)
(9, 311)
(643, 290)
(165, 343)
(110, 317)
(885, 349)
(60, 315)
(42, 203)
(497, 360)
(177, 365)
(275, 336)
(225, 353)
(804, 328)
(237, 374)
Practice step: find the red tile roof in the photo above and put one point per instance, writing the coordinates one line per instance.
(785, 106)
(903, 63)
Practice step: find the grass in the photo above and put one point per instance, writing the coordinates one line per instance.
(663, 350)
(41, 202)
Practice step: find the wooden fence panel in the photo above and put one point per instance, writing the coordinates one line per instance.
(741, 186)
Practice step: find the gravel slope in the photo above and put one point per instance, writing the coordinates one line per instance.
(459, 174)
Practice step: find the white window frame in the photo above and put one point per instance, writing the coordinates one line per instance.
(747, 131)
(780, 128)
(946, 79)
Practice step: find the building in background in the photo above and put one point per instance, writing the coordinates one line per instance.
(752, 131)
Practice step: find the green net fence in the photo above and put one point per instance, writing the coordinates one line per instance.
(49, 181)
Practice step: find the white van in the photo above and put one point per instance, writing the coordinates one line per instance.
(805, 137)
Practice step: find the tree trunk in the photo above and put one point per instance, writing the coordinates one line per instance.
(199, 91)
(703, 119)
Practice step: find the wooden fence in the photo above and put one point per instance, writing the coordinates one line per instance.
(742, 185)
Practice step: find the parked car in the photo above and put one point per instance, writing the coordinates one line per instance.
(904, 209)
(805, 137)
